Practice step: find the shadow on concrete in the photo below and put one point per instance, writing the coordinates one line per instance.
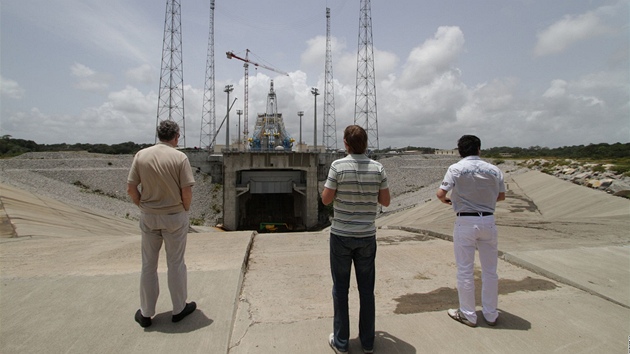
(387, 343)
(444, 298)
(193, 322)
(507, 321)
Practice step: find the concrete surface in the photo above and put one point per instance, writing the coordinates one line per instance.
(69, 281)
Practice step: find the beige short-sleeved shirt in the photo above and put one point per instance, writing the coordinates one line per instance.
(161, 171)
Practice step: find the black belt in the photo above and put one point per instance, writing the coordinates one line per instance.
(479, 213)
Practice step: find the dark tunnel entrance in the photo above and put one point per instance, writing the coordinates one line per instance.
(271, 201)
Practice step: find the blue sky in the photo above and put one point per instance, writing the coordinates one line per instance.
(515, 73)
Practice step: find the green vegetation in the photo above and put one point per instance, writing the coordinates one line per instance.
(595, 152)
(422, 150)
(10, 147)
(196, 221)
(617, 154)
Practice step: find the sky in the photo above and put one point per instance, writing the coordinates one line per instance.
(516, 73)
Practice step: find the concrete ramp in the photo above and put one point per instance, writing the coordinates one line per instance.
(70, 279)
(559, 199)
(31, 215)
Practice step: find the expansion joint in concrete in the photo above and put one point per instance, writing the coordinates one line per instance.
(243, 302)
(239, 294)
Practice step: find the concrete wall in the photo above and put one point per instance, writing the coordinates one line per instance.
(224, 168)
(233, 162)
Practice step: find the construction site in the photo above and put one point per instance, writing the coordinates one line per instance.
(270, 180)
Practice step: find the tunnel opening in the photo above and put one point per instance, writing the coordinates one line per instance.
(271, 200)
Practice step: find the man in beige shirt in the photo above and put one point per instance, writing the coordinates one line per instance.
(165, 179)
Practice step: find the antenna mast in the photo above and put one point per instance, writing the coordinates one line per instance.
(208, 116)
(330, 125)
(171, 93)
(365, 97)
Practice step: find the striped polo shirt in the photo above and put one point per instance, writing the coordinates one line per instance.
(357, 180)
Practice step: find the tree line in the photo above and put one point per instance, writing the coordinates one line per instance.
(10, 147)
(591, 151)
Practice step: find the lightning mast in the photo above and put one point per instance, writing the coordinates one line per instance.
(330, 125)
(171, 93)
(365, 96)
(208, 115)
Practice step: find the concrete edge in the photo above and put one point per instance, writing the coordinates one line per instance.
(239, 289)
(519, 263)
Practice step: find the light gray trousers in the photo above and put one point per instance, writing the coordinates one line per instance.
(474, 232)
(172, 230)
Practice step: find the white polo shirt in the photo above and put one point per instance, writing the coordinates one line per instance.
(475, 185)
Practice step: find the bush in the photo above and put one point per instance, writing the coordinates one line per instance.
(196, 221)
(598, 168)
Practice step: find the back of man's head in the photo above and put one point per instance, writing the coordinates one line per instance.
(468, 145)
(356, 138)
(167, 130)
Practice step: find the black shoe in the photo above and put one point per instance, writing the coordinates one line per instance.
(143, 321)
(188, 309)
(491, 324)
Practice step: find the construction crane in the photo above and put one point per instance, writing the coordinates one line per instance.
(246, 60)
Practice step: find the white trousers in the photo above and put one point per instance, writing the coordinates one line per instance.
(172, 230)
(478, 232)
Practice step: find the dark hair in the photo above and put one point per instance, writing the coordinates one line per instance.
(167, 130)
(468, 145)
(356, 139)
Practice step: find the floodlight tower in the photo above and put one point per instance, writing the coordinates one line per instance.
(208, 115)
(330, 125)
(365, 96)
(171, 93)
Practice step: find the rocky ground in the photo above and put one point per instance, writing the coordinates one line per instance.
(98, 181)
(598, 176)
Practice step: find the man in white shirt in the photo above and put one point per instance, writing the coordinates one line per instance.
(475, 187)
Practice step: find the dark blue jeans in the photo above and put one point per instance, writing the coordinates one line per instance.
(343, 252)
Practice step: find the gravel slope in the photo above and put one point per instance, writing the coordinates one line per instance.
(98, 182)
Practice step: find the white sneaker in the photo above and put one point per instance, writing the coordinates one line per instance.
(331, 342)
(458, 316)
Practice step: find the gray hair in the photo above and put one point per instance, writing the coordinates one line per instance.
(167, 130)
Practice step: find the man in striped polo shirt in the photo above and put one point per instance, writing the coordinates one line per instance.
(356, 184)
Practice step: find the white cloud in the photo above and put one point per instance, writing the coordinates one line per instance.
(11, 88)
(88, 79)
(433, 58)
(131, 100)
(143, 74)
(568, 31)
(557, 89)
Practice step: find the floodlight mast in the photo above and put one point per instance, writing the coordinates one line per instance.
(231, 55)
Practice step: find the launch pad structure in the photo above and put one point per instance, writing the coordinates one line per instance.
(266, 180)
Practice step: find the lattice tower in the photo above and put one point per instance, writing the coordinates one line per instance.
(171, 93)
(208, 114)
(330, 124)
(365, 97)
